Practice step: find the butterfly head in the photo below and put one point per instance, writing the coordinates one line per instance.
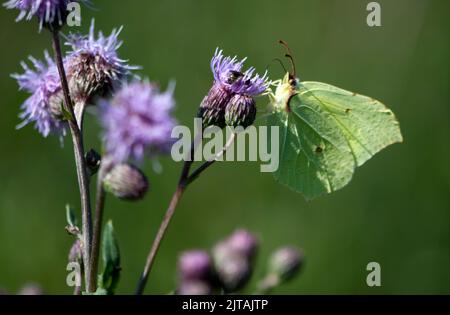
(286, 87)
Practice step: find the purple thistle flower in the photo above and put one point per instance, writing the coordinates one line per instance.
(94, 65)
(228, 73)
(137, 121)
(41, 107)
(229, 80)
(51, 12)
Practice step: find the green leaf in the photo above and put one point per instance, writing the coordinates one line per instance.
(70, 216)
(111, 260)
(325, 133)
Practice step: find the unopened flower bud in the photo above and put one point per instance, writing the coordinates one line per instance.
(234, 272)
(195, 265)
(126, 181)
(286, 262)
(212, 108)
(194, 288)
(244, 243)
(233, 259)
(240, 111)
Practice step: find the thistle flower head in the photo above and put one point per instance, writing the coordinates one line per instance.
(44, 85)
(48, 12)
(137, 121)
(229, 80)
(228, 73)
(93, 64)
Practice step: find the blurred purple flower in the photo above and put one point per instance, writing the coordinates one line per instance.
(93, 64)
(137, 121)
(47, 11)
(244, 243)
(194, 288)
(194, 265)
(44, 85)
(286, 262)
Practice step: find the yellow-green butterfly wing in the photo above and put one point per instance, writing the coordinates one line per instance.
(325, 132)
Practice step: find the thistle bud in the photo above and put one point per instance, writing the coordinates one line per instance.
(240, 111)
(233, 272)
(244, 243)
(212, 108)
(285, 263)
(126, 181)
(195, 266)
(233, 260)
(194, 288)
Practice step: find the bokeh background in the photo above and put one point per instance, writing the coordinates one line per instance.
(396, 211)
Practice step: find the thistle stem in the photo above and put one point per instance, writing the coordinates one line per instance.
(207, 164)
(77, 139)
(267, 284)
(183, 182)
(159, 237)
(105, 166)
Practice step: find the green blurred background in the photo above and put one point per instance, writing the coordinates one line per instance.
(396, 211)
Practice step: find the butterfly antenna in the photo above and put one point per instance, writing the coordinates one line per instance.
(279, 61)
(289, 56)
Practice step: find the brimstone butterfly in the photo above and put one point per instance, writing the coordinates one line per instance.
(325, 132)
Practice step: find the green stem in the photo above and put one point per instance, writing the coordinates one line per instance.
(184, 181)
(77, 138)
(105, 166)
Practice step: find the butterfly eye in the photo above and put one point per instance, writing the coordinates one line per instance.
(293, 82)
